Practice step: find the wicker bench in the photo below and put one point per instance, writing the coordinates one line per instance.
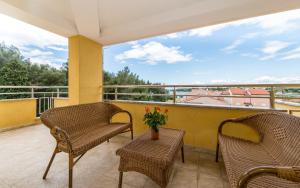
(272, 162)
(79, 128)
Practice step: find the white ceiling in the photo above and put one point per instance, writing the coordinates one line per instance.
(116, 21)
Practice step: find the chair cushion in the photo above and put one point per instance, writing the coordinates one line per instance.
(241, 155)
(92, 136)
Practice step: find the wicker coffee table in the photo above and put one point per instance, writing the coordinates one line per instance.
(155, 159)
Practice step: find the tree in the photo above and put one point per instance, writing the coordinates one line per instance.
(126, 77)
(17, 70)
(10, 53)
(14, 74)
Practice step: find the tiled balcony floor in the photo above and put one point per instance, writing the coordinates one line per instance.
(25, 154)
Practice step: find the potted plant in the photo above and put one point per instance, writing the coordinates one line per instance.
(154, 119)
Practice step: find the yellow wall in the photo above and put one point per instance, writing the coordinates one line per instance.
(200, 123)
(17, 112)
(288, 107)
(60, 102)
(85, 70)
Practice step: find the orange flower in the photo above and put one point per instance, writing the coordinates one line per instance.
(157, 109)
(166, 110)
(147, 109)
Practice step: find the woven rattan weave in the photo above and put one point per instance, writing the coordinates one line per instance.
(155, 159)
(79, 128)
(272, 162)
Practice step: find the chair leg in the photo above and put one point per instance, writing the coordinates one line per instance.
(182, 153)
(131, 130)
(71, 170)
(217, 152)
(120, 179)
(50, 162)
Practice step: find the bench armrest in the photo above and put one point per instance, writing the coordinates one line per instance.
(234, 120)
(61, 136)
(123, 111)
(288, 173)
(222, 124)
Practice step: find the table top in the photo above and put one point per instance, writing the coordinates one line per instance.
(161, 151)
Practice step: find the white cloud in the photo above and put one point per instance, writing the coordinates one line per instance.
(206, 31)
(280, 22)
(292, 54)
(234, 45)
(33, 42)
(272, 79)
(271, 24)
(271, 49)
(220, 81)
(42, 57)
(132, 42)
(21, 34)
(35, 53)
(154, 52)
(172, 35)
(57, 48)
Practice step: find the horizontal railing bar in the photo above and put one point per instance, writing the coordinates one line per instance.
(20, 93)
(204, 85)
(139, 94)
(34, 87)
(227, 96)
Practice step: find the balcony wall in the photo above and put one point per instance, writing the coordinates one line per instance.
(17, 112)
(200, 123)
(60, 102)
(288, 107)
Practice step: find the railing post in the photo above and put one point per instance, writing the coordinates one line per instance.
(174, 94)
(116, 93)
(32, 92)
(57, 92)
(272, 98)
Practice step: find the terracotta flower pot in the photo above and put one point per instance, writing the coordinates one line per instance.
(154, 134)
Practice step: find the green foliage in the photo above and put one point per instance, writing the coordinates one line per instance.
(126, 77)
(155, 118)
(14, 73)
(15, 70)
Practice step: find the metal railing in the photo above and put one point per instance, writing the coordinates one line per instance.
(294, 111)
(172, 93)
(44, 95)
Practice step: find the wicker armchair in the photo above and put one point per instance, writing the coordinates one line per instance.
(272, 162)
(79, 128)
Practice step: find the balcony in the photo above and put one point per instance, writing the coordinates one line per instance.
(26, 144)
(30, 146)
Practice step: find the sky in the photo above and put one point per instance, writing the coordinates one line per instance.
(40, 46)
(258, 50)
(264, 49)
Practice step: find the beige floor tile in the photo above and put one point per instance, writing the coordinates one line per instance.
(4, 185)
(184, 176)
(27, 152)
(207, 181)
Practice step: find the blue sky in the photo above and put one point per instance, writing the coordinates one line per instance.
(40, 46)
(258, 50)
(263, 49)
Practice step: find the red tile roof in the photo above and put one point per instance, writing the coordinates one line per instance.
(257, 92)
(237, 91)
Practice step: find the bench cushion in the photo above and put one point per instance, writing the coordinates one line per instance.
(92, 136)
(240, 156)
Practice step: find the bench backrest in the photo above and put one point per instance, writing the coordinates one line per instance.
(78, 117)
(280, 135)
